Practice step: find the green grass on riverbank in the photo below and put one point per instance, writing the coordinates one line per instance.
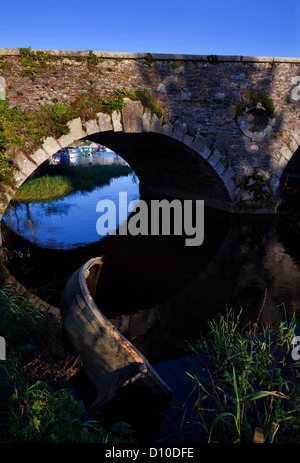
(44, 189)
(54, 182)
(245, 386)
(37, 404)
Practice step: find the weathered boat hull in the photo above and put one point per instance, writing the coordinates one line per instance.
(111, 362)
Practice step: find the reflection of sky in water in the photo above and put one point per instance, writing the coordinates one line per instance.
(69, 221)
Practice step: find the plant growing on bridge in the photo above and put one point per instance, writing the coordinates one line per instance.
(149, 59)
(92, 60)
(252, 98)
(258, 186)
(148, 100)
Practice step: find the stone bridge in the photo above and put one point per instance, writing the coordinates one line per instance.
(218, 128)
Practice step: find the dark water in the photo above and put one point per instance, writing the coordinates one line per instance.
(155, 290)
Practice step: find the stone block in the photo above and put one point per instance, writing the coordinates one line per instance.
(198, 143)
(219, 167)
(51, 146)
(179, 130)
(282, 162)
(91, 127)
(116, 121)
(104, 122)
(66, 140)
(76, 129)
(132, 116)
(214, 158)
(293, 145)
(296, 136)
(39, 156)
(257, 136)
(19, 178)
(228, 174)
(147, 117)
(204, 152)
(161, 88)
(166, 129)
(188, 140)
(286, 152)
(156, 124)
(25, 165)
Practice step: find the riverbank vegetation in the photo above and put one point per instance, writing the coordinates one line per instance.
(245, 386)
(51, 182)
(37, 401)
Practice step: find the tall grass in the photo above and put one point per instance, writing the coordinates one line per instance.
(36, 400)
(244, 387)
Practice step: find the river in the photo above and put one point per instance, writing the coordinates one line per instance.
(158, 292)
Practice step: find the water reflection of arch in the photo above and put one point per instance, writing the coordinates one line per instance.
(251, 269)
(160, 293)
(138, 272)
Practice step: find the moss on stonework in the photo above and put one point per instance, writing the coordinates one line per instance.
(30, 60)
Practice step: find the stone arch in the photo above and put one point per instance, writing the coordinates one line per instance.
(132, 119)
(281, 158)
(286, 171)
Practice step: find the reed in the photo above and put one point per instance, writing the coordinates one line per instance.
(244, 386)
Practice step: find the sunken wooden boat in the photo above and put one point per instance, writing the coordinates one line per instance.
(111, 362)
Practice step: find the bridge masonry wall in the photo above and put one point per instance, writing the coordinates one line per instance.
(211, 103)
